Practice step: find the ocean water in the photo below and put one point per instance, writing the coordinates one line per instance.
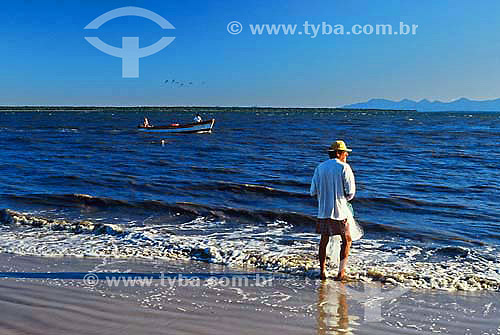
(88, 184)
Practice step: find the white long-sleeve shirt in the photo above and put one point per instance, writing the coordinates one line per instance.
(333, 183)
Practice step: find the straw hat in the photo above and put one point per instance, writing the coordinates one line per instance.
(339, 146)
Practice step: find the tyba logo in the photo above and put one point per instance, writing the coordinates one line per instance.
(130, 51)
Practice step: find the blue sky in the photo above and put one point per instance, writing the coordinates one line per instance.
(46, 60)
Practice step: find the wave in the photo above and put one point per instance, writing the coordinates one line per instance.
(181, 208)
(69, 200)
(246, 188)
(73, 180)
(481, 188)
(435, 188)
(461, 268)
(453, 251)
(413, 206)
(286, 182)
(10, 217)
(189, 210)
(402, 202)
(175, 212)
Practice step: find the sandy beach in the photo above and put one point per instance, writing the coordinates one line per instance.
(293, 305)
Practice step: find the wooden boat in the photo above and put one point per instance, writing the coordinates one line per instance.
(199, 127)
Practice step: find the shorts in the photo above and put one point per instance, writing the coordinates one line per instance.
(331, 227)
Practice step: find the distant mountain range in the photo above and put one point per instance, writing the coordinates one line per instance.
(462, 105)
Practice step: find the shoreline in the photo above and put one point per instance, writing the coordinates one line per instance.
(110, 241)
(295, 305)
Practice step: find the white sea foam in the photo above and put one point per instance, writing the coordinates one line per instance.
(275, 247)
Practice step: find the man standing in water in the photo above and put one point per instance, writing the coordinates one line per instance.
(333, 184)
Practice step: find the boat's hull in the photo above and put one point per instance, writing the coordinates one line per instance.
(200, 127)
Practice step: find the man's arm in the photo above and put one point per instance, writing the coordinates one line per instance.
(314, 184)
(349, 183)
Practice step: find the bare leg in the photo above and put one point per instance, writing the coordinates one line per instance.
(322, 255)
(344, 250)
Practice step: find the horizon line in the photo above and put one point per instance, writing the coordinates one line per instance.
(199, 106)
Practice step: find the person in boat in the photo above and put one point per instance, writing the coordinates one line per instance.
(146, 123)
(197, 118)
(333, 184)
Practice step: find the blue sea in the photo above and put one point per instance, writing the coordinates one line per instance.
(428, 190)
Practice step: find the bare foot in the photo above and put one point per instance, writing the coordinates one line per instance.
(340, 276)
(324, 275)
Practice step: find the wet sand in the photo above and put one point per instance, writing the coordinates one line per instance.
(290, 305)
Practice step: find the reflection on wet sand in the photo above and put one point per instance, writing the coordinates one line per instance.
(333, 310)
